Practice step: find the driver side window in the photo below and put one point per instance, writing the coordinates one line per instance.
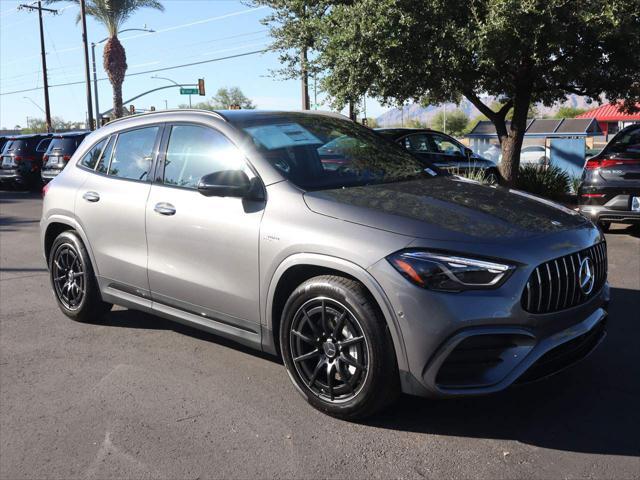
(194, 151)
(446, 146)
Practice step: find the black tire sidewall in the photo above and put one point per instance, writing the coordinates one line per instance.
(381, 358)
(91, 303)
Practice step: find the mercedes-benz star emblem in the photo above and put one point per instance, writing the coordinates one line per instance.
(585, 275)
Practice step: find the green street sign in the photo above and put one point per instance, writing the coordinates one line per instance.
(189, 91)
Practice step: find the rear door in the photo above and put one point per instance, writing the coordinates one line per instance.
(111, 206)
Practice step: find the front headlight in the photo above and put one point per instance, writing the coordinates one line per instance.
(447, 272)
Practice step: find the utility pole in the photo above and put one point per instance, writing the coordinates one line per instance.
(45, 82)
(85, 45)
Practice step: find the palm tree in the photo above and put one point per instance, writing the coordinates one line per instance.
(113, 14)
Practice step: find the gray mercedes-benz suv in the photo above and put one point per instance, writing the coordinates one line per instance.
(371, 277)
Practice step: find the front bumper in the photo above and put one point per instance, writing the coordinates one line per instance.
(482, 341)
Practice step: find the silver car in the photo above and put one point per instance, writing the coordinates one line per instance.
(371, 277)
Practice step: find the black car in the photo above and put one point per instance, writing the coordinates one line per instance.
(3, 141)
(610, 188)
(443, 151)
(59, 152)
(21, 160)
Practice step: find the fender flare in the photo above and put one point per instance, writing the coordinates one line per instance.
(349, 268)
(75, 225)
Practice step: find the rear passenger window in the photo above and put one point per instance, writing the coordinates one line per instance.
(133, 154)
(91, 157)
(194, 151)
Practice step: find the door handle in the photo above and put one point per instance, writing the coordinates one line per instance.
(164, 208)
(91, 196)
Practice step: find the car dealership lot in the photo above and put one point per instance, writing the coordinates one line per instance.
(139, 397)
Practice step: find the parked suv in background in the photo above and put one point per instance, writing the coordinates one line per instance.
(610, 188)
(59, 152)
(443, 151)
(373, 278)
(21, 160)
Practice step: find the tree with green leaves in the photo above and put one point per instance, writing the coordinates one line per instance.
(39, 125)
(453, 122)
(569, 112)
(225, 99)
(292, 25)
(113, 14)
(520, 52)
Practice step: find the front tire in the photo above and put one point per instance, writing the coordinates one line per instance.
(73, 280)
(337, 348)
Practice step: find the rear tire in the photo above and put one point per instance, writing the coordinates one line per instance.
(73, 280)
(337, 348)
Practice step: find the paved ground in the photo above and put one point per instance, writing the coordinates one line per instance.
(139, 397)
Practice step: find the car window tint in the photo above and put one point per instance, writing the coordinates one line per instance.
(418, 142)
(90, 158)
(194, 151)
(105, 158)
(43, 144)
(446, 146)
(133, 154)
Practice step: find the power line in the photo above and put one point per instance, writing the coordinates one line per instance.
(211, 60)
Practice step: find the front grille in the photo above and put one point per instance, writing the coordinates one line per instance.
(555, 285)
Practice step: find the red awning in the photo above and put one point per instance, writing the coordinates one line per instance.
(610, 113)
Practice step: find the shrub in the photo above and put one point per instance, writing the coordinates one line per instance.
(551, 182)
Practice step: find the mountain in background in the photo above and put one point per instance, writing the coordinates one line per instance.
(414, 111)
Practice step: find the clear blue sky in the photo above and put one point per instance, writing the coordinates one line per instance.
(187, 31)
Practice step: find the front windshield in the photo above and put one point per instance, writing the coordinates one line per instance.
(318, 152)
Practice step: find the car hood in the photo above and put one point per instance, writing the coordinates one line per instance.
(446, 208)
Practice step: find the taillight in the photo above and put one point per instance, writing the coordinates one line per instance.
(66, 158)
(594, 163)
(592, 195)
(45, 158)
(44, 189)
(17, 158)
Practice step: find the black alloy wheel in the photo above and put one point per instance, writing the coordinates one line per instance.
(329, 349)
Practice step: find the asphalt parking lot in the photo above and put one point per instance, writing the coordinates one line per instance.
(139, 397)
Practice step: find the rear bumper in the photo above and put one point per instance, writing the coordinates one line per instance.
(50, 174)
(603, 213)
(613, 205)
(11, 176)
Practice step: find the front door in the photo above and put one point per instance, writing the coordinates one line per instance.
(203, 251)
(111, 204)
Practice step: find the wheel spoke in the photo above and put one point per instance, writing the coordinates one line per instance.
(303, 337)
(313, 326)
(57, 264)
(61, 277)
(349, 360)
(350, 341)
(339, 324)
(307, 356)
(345, 374)
(324, 322)
(316, 371)
(330, 374)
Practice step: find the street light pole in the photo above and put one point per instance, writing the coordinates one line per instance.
(95, 83)
(83, 19)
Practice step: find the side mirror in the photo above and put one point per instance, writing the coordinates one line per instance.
(226, 183)
(468, 152)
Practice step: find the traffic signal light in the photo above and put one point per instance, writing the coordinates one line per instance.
(201, 87)
(132, 109)
(365, 122)
(235, 106)
(152, 108)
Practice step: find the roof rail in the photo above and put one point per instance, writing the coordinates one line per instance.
(172, 110)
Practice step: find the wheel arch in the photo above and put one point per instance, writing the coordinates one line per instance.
(56, 224)
(300, 267)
